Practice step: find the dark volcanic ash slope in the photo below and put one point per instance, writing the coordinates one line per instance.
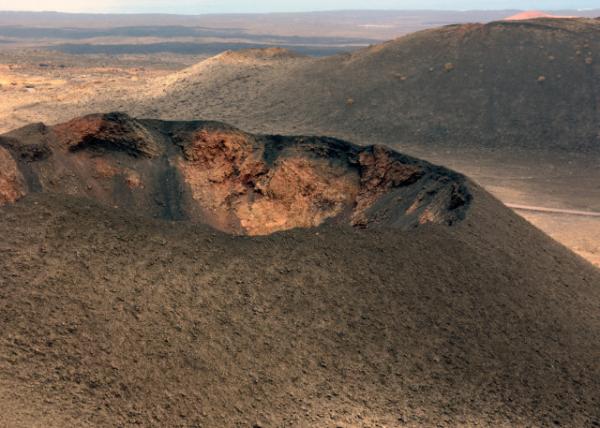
(240, 183)
(527, 84)
(115, 319)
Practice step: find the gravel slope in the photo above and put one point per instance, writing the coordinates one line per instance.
(113, 320)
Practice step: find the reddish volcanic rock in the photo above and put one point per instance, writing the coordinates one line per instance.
(106, 131)
(534, 14)
(234, 181)
(230, 179)
(12, 186)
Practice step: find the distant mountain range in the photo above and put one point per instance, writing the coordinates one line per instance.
(380, 25)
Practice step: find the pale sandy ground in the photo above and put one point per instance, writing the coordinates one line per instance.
(568, 183)
(34, 93)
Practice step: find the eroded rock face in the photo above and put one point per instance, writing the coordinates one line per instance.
(12, 185)
(104, 132)
(229, 177)
(236, 182)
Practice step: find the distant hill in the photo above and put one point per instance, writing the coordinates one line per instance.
(527, 84)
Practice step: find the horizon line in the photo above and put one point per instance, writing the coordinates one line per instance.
(295, 12)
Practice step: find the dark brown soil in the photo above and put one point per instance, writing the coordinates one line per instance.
(114, 320)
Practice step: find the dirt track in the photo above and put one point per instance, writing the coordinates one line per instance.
(553, 210)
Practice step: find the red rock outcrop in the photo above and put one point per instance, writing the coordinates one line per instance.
(102, 132)
(229, 178)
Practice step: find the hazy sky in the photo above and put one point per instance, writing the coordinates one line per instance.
(218, 6)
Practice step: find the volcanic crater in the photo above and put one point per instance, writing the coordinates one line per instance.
(212, 173)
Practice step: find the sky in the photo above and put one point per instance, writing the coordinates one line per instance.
(260, 6)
